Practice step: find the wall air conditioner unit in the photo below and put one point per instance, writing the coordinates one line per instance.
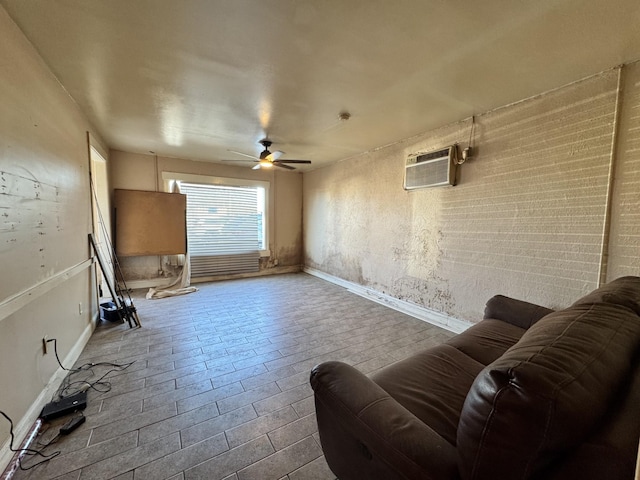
(432, 169)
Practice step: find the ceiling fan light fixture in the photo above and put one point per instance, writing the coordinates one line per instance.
(265, 163)
(268, 159)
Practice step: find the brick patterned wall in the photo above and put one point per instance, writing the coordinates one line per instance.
(530, 217)
(526, 218)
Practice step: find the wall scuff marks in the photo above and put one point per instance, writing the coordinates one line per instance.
(525, 219)
(30, 212)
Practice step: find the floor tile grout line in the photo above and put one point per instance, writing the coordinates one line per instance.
(231, 341)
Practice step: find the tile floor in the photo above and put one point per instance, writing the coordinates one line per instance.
(219, 387)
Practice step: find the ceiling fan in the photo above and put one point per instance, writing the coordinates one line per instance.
(269, 159)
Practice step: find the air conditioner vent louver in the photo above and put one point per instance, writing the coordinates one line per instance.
(432, 169)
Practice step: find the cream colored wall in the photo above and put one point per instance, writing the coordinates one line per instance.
(46, 287)
(144, 172)
(525, 220)
(286, 231)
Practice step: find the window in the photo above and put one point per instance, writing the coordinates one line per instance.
(223, 220)
(227, 227)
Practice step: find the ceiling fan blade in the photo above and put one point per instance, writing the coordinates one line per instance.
(241, 161)
(292, 161)
(244, 154)
(274, 155)
(282, 165)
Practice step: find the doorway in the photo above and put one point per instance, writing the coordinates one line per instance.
(101, 218)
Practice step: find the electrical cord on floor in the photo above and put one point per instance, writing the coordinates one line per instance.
(70, 386)
(28, 451)
(66, 389)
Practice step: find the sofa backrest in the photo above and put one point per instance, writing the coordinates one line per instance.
(623, 291)
(551, 389)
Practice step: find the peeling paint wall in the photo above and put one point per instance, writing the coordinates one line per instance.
(525, 220)
(47, 284)
(144, 172)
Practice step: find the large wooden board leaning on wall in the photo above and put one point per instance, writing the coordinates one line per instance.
(150, 223)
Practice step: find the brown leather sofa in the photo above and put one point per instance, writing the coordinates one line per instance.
(526, 393)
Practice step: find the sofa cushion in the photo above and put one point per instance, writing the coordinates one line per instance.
(547, 392)
(432, 385)
(623, 291)
(487, 340)
(615, 439)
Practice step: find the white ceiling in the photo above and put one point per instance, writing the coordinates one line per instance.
(197, 78)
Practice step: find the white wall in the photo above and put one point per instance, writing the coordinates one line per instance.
(526, 218)
(46, 287)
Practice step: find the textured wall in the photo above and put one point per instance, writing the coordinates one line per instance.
(624, 247)
(144, 172)
(526, 218)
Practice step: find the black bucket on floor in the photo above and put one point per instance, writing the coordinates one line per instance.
(109, 312)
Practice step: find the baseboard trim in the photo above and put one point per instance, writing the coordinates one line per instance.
(425, 314)
(23, 426)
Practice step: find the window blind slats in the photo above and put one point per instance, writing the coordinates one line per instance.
(222, 221)
(224, 264)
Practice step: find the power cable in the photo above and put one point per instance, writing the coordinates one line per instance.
(70, 386)
(27, 451)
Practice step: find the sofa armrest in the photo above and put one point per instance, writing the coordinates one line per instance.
(516, 312)
(365, 433)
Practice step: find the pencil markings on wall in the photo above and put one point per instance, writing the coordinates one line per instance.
(27, 205)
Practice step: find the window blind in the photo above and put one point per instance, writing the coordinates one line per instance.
(223, 229)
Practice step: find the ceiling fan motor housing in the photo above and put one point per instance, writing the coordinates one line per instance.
(265, 153)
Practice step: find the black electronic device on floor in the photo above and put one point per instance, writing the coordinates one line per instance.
(64, 406)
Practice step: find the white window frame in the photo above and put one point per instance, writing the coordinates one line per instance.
(169, 177)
